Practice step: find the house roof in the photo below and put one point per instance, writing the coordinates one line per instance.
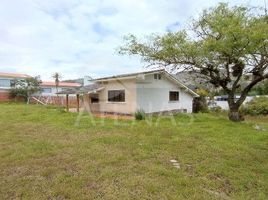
(61, 84)
(14, 75)
(90, 88)
(134, 75)
(128, 75)
(84, 89)
(96, 86)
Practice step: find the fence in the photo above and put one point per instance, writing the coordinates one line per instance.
(55, 100)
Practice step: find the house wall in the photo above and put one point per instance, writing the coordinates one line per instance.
(144, 93)
(4, 95)
(4, 89)
(93, 107)
(153, 95)
(127, 107)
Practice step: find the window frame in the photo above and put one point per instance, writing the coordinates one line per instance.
(177, 99)
(157, 77)
(5, 86)
(95, 99)
(47, 88)
(116, 95)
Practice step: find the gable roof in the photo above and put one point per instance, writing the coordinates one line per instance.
(14, 75)
(61, 84)
(129, 75)
(134, 75)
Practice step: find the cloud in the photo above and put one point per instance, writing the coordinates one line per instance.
(79, 37)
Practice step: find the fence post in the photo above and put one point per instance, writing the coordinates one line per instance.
(77, 100)
(67, 102)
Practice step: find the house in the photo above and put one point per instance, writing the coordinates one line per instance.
(48, 88)
(6, 81)
(150, 91)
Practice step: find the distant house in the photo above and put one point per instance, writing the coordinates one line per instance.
(6, 81)
(222, 101)
(48, 88)
(150, 91)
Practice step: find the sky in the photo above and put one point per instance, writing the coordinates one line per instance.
(80, 38)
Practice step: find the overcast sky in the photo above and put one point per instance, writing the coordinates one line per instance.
(80, 37)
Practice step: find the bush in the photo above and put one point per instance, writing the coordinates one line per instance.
(257, 106)
(140, 115)
(216, 109)
(18, 93)
(200, 105)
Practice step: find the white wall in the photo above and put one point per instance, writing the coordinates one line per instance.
(153, 95)
(147, 94)
(129, 106)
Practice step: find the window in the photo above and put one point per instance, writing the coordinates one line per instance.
(94, 98)
(173, 96)
(116, 95)
(5, 83)
(47, 90)
(157, 76)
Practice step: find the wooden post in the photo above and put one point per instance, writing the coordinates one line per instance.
(67, 102)
(77, 100)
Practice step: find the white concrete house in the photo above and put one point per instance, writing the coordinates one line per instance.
(150, 91)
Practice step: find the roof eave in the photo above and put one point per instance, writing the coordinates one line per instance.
(181, 84)
(127, 76)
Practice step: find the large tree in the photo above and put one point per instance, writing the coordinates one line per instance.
(225, 44)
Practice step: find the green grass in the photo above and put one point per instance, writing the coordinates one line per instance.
(46, 153)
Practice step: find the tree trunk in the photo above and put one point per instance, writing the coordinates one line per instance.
(28, 97)
(234, 114)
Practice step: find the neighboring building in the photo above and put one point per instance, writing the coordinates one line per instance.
(222, 101)
(151, 91)
(49, 87)
(6, 80)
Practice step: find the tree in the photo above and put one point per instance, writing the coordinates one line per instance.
(223, 45)
(57, 78)
(260, 89)
(25, 88)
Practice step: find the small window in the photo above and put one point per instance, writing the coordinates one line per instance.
(116, 95)
(5, 83)
(47, 90)
(157, 76)
(173, 96)
(94, 98)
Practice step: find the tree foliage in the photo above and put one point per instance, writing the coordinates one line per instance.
(224, 45)
(260, 89)
(257, 106)
(25, 88)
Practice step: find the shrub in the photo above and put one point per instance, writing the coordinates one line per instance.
(216, 109)
(15, 93)
(257, 106)
(200, 105)
(140, 115)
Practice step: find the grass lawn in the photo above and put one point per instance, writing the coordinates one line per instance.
(49, 154)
